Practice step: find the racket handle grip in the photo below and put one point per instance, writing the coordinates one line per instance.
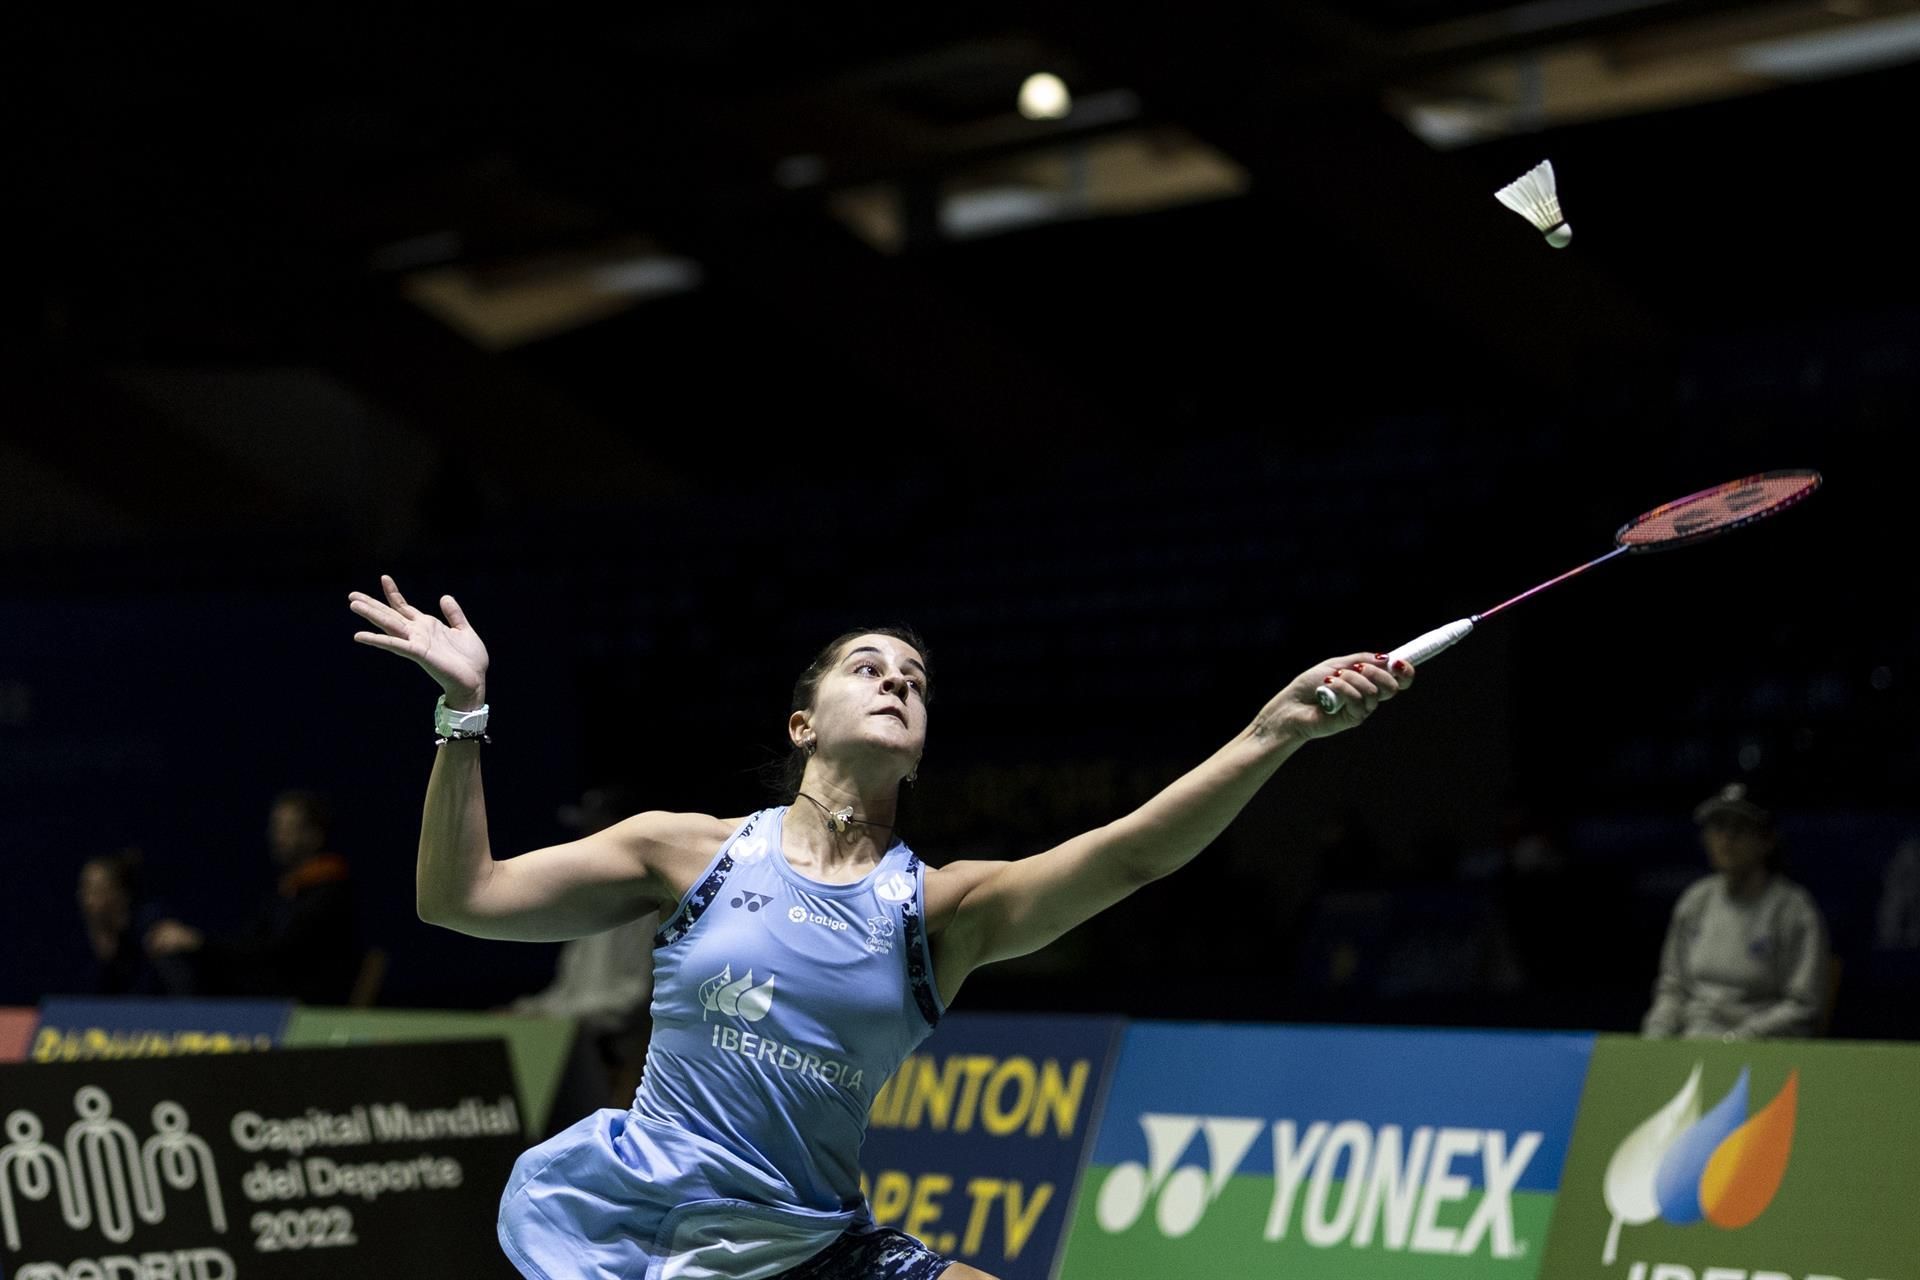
(1414, 651)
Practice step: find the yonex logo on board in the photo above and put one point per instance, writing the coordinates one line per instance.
(1393, 1189)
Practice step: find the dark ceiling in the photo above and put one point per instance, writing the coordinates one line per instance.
(243, 192)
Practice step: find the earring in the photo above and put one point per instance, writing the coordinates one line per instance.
(915, 773)
(808, 746)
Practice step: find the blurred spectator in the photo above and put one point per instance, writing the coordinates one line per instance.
(116, 916)
(1746, 952)
(605, 980)
(1897, 926)
(303, 941)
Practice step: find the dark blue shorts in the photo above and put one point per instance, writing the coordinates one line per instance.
(878, 1253)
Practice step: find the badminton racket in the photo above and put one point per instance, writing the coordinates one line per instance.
(1694, 518)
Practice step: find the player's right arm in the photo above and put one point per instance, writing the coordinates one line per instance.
(548, 895)
(558, 893)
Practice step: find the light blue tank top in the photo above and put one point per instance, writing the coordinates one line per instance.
(780, 1007)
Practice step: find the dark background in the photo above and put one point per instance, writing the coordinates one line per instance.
(1127, 474)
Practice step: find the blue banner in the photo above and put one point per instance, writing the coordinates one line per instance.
(975, 1145)
(84, 1029)
(1254, 1151)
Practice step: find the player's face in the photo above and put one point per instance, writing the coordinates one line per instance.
(1735, 848)
(289, 833)
(875, 696)
(100, 895)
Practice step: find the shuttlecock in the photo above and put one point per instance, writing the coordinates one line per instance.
(1533, 197)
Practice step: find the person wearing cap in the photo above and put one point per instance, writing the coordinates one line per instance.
(1746, 953)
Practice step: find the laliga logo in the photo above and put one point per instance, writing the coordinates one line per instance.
(1680, 1166)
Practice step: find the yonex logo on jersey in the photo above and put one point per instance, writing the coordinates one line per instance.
(752, 901)
(740, 999)
(895, 886)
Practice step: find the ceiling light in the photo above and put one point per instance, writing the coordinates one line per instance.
(1855, 47)
(1044, 96)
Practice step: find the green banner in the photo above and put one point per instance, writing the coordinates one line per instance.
(1766, 1160)
(537, 1048)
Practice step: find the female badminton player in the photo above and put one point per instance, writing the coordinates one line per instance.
(805, 951)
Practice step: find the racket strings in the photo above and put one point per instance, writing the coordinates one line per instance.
(1717, 510)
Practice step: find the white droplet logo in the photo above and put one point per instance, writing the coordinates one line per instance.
(739, 999)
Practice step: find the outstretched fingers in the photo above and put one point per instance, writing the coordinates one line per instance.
(394, 598)
(375, 640)
(455, 615)
(383, 616)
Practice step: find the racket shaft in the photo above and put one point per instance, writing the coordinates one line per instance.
(1413, 652)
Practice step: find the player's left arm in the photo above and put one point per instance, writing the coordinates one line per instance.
(1019, 907)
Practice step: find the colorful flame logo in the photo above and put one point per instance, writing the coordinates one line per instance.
(1682, 1167)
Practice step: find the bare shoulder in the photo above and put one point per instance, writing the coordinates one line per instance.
(948, 886)
(673, 847)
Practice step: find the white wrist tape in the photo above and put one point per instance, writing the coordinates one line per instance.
(451, 725)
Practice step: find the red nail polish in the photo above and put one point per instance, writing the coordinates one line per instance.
(1379, 657)
(1328, 680)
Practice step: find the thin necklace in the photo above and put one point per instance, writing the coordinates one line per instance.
(838, 820)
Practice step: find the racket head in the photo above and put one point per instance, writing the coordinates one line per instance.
(1712, 512)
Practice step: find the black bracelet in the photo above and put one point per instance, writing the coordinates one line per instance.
(462, 737)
